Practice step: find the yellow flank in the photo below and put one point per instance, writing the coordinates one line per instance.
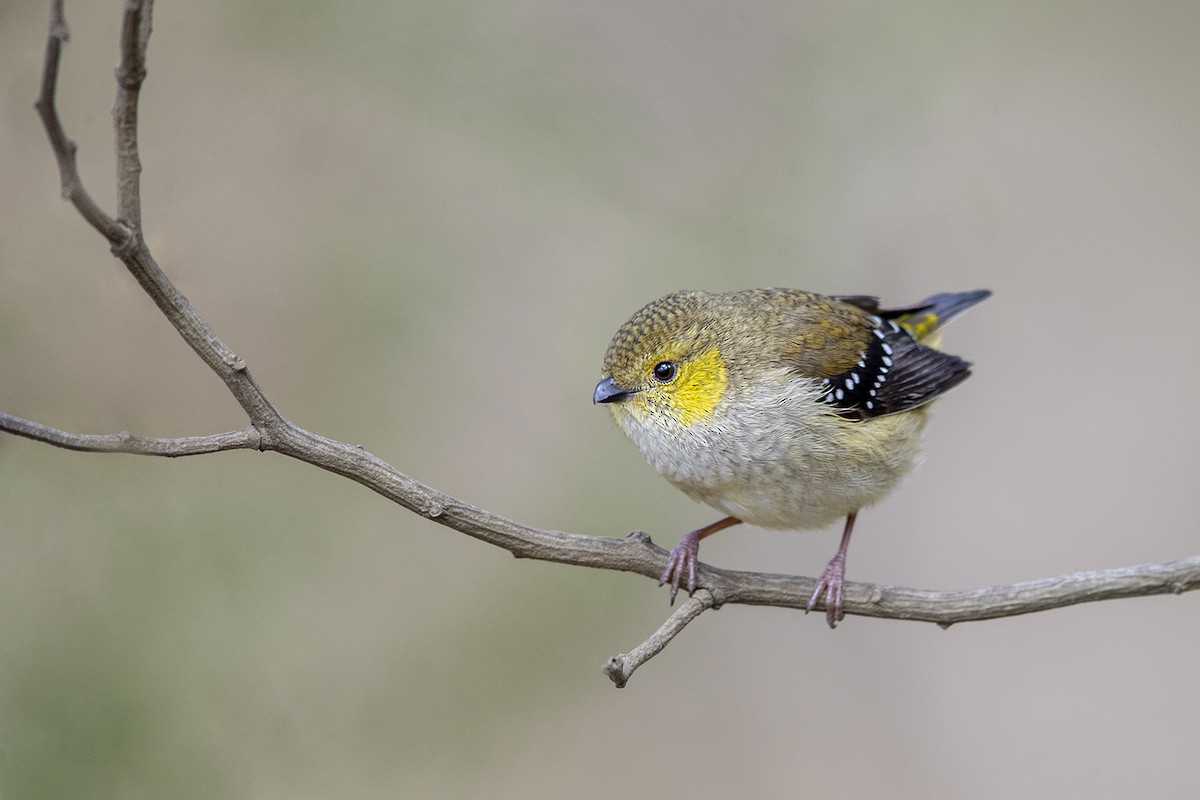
(698, 387)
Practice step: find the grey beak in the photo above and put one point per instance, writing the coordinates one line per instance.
(608, 391)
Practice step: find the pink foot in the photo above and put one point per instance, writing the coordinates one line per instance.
(832, 585)
(683, 556)
(682, 559)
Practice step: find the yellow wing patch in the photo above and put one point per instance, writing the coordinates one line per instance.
(919, 325)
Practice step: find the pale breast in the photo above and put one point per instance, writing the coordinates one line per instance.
(783, 460)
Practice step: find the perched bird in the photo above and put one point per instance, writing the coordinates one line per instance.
(779, 408)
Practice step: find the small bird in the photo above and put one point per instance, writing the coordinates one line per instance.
(780, 408)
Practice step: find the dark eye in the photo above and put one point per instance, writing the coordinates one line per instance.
(664, 371)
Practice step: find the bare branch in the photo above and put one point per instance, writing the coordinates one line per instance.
(64, 148)
(126, 239)
(245, 439)
(131, 71)
(946, 608)
(635, 553)
(620, 667)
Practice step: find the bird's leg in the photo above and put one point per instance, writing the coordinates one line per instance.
(684, 554)
(832, 580)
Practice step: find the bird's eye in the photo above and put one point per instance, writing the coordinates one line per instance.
(664, 371)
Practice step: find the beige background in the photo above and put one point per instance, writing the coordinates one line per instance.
(420, 224)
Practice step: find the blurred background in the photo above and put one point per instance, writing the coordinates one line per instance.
(420, 223)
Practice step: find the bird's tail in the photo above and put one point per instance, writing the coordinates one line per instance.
(924, 318)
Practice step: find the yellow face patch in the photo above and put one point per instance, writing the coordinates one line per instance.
(692, 393)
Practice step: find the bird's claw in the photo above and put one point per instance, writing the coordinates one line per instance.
(682, 558)
(831, 584)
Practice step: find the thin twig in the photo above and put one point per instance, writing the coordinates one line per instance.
(63, 147)
(125, 236)
(635, 553)
(245, 439)
(622, 666)
(131, 71)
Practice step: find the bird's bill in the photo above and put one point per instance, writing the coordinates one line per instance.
(609, 391)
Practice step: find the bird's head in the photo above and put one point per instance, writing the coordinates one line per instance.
(666, 363)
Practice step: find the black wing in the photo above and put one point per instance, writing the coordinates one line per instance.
(895, 373)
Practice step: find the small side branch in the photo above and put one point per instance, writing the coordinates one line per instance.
(63, 147)
(131, 71)
(124, 234)
(245, 439)
(622, 666)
